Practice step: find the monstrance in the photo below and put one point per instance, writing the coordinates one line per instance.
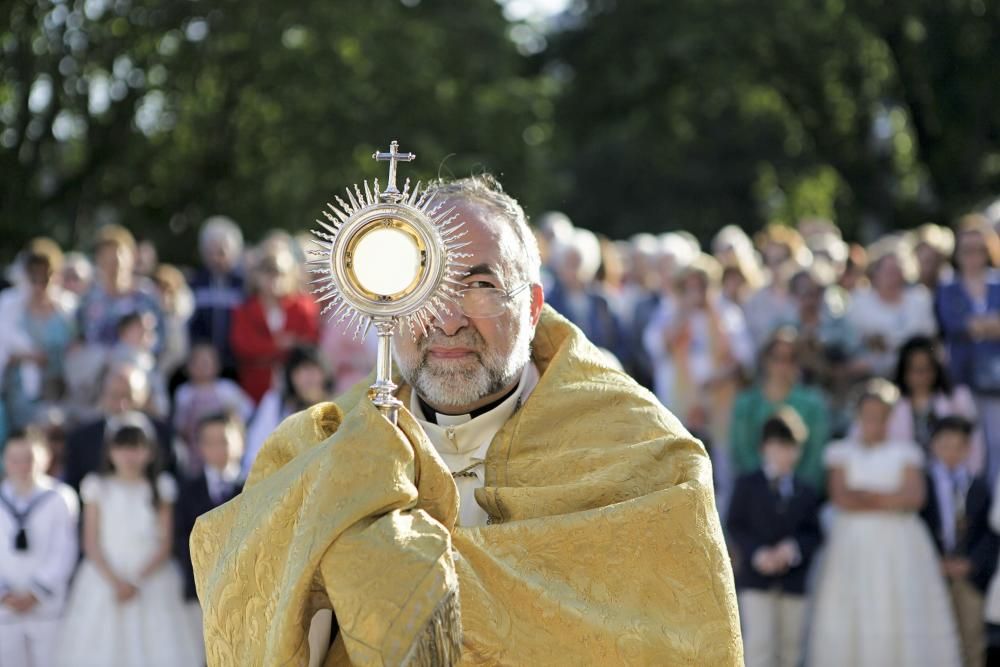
(391, 259)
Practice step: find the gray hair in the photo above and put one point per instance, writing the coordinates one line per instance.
(586, 246)
(486, 190)
(220, 228)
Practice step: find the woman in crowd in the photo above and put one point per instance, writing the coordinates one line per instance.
(117, 291)
(891, 312)
(968, 308)
(40, 319)
(741, 274)
(927, 395)
(273, 320)
(780, 385)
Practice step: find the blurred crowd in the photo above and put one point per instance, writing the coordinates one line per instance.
(128, 383)
(849, 396)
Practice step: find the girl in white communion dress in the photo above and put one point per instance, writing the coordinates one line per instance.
(881, 599)
(126, 607)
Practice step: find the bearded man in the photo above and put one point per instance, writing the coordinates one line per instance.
(534, 506)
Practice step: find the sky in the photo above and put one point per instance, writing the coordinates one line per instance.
(518, 10)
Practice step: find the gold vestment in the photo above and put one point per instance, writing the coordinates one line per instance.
(604, 546)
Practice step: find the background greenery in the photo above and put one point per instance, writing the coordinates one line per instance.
(636, 115)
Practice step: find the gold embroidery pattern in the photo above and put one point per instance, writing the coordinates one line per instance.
(604, 546)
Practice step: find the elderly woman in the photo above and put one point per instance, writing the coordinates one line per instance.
(275, 318)
(891, 311)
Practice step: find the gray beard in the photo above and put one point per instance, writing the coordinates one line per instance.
(487, 373)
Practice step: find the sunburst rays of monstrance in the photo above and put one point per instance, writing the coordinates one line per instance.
(389, 259)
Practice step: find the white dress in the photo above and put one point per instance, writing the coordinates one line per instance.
(881, 600)
(151, 629)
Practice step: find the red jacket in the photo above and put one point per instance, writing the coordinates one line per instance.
(257, 353)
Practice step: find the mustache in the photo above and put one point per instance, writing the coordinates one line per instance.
(465, 337)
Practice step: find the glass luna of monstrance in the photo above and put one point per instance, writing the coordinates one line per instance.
(389, 259)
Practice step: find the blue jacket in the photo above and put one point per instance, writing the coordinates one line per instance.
(954, 308)
(214, 302)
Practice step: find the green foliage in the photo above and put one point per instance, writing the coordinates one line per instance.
(705, 112)
(257, 110)
(639, 116)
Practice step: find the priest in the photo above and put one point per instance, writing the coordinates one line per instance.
(532, 506)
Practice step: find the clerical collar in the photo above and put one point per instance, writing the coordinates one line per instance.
(436, 417)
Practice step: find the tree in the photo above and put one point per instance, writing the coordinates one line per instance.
(162, 113)
(698, 113)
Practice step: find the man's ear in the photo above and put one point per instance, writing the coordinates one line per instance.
(537, 301)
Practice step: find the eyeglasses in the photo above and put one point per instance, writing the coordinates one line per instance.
(487, 301)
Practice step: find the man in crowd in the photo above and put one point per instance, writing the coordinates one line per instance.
(217, 286)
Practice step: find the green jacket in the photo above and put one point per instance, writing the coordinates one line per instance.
(752, 409)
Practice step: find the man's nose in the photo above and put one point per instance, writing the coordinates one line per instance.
(450, 322)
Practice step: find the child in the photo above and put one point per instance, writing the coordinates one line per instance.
(205, 393)
(219, 439)
(38, 551)
(774, 522)
(880, 601)
(125, 607)
(957, 514)
(136, 342)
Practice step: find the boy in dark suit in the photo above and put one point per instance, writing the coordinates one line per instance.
(957, 514)
(219, 439)
(774, 525)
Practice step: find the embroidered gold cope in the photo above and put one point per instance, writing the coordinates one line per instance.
(604, 546)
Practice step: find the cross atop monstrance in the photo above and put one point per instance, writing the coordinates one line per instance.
(391, 192)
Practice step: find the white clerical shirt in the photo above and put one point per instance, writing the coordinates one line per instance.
(462, 441)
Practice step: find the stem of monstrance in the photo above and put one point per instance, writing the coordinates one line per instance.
(382, 393)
